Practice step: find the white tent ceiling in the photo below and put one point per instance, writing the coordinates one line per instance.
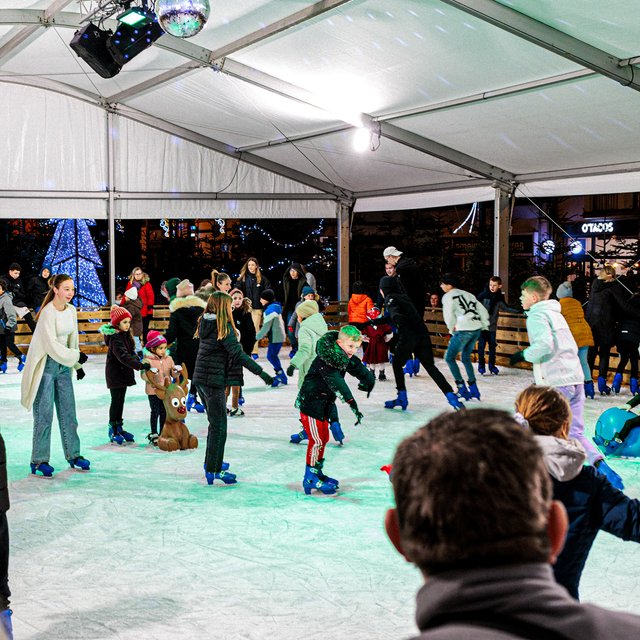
(254, 116)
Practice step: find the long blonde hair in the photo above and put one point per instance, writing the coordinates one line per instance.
(219, 303)
(245, 268)
(54, 282)
(546, 410)
(132, 277)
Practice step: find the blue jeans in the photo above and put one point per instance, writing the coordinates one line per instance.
(272, 355)
(56, 389)
(462, 342)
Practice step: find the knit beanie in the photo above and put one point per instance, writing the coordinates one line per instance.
(268, 295)
(171, 285)
(307, 290)
(154, 339)
(307, 308)
(131, 293)
(565, 290)
(184, 289)
(118, 314)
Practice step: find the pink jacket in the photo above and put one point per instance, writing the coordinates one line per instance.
(165, 369)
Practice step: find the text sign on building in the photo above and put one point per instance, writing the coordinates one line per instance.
(603, 228)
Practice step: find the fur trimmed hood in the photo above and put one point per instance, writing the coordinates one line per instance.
(205, 292)
(186, 302)
(330, 351)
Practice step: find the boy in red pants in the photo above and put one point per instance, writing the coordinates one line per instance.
(323, 383)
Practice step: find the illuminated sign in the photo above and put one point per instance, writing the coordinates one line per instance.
(597, 227)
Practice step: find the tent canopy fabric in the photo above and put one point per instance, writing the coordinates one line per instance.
(256, 115)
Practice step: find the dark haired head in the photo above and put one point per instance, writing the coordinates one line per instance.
(357, 287)
(389, 284)
(451, 279)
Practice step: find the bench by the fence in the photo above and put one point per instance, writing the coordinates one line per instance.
(511, 335)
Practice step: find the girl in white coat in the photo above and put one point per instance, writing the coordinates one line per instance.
(46, 381)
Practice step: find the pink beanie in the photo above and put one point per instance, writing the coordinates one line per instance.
(118, 314)
(154, 339)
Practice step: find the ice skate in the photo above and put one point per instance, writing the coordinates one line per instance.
(454, 401)
(3, 366)
(463, 392)
(6, 625)
(589, 391)
(494, 370)
(633, 386)
(312, 481)
(401, 401)
(21, 362)
(297, 438)
(114, 436)
(382, 376)
(603, 468)
(153, 439)
(128, 437)
(481, 370)
(225, 476)
(44, 468)
(237, 412)
(281, 377)
(79, 462)
(602, 387)
(474, 392)
(617, 383)
(324, 478)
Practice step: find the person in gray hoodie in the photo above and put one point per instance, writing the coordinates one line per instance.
(8, 322)
(591, 501)
(484, 530)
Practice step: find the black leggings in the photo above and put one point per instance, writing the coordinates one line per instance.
(628, 353)
(421, 348)
(215, 403)
(116, 409)
(603, 350)
(158, 414)
(6, 342)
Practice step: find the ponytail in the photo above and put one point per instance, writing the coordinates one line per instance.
(54, 283)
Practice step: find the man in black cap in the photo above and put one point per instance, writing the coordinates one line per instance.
(410, 276)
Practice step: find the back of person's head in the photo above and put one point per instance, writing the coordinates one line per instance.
(471, 491)
(389, 284)
(452, 279)
(4, 284)
(219, 304)
(609, 269)
(539, 285)
(565, 290)
(546, 411)
(357, 287)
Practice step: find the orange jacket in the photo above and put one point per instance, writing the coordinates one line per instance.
(574, 315)
(359, 304)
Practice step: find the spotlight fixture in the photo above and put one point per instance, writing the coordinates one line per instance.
(136, 17)
(128, 41)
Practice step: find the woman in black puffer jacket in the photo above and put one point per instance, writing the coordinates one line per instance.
(628, 342)
(218, 354)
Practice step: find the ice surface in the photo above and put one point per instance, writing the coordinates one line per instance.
(140, 547)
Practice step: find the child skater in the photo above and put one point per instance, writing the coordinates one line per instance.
(219, 349)
(273, 329)
(554, 354)
(593, 504)
(8, 321)
(322, 385)
(377, 334)
(162, 366)
(359, 304)
(243, 321)
(120, 365)
(46, 381)
(312, 327)
(465, 318)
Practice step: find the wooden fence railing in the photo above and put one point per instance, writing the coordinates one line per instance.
(511, 334)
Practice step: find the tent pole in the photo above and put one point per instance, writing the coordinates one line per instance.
(501, 210)
(344, 233)
(111, 208)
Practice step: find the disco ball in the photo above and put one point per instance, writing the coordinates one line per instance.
(182, 18)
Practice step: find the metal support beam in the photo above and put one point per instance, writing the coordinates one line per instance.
(548, 38)
(343, 211)
(219, 54)
(111, 233)
(501, 215)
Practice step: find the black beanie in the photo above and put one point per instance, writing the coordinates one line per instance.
(268, 295)
(389, 284)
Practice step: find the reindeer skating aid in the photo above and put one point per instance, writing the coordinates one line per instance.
(175, 434)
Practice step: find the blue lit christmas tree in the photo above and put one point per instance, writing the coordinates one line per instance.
(73, 252)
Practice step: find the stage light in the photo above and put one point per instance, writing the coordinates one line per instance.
(182, 18)
(127, 42)
(136, 17)
(576, 247)
(90, 44)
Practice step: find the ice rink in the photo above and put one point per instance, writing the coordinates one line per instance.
(141, 547)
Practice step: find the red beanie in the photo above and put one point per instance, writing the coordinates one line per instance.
(118, 314)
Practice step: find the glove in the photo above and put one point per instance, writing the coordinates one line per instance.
(83, 358)
(365, 386)
(267, 379)
(80, 373)
(516, 357)
(290, 369)
(145, 366)
(290, 329)
(353, 405)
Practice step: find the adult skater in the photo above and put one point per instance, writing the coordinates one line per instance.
(293, 281)
(38, 287)
(252, 282)
(46, 380)
(140, 280)
(413, 337)
(410, 276)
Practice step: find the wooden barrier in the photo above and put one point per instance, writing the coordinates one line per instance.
(511, 335)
